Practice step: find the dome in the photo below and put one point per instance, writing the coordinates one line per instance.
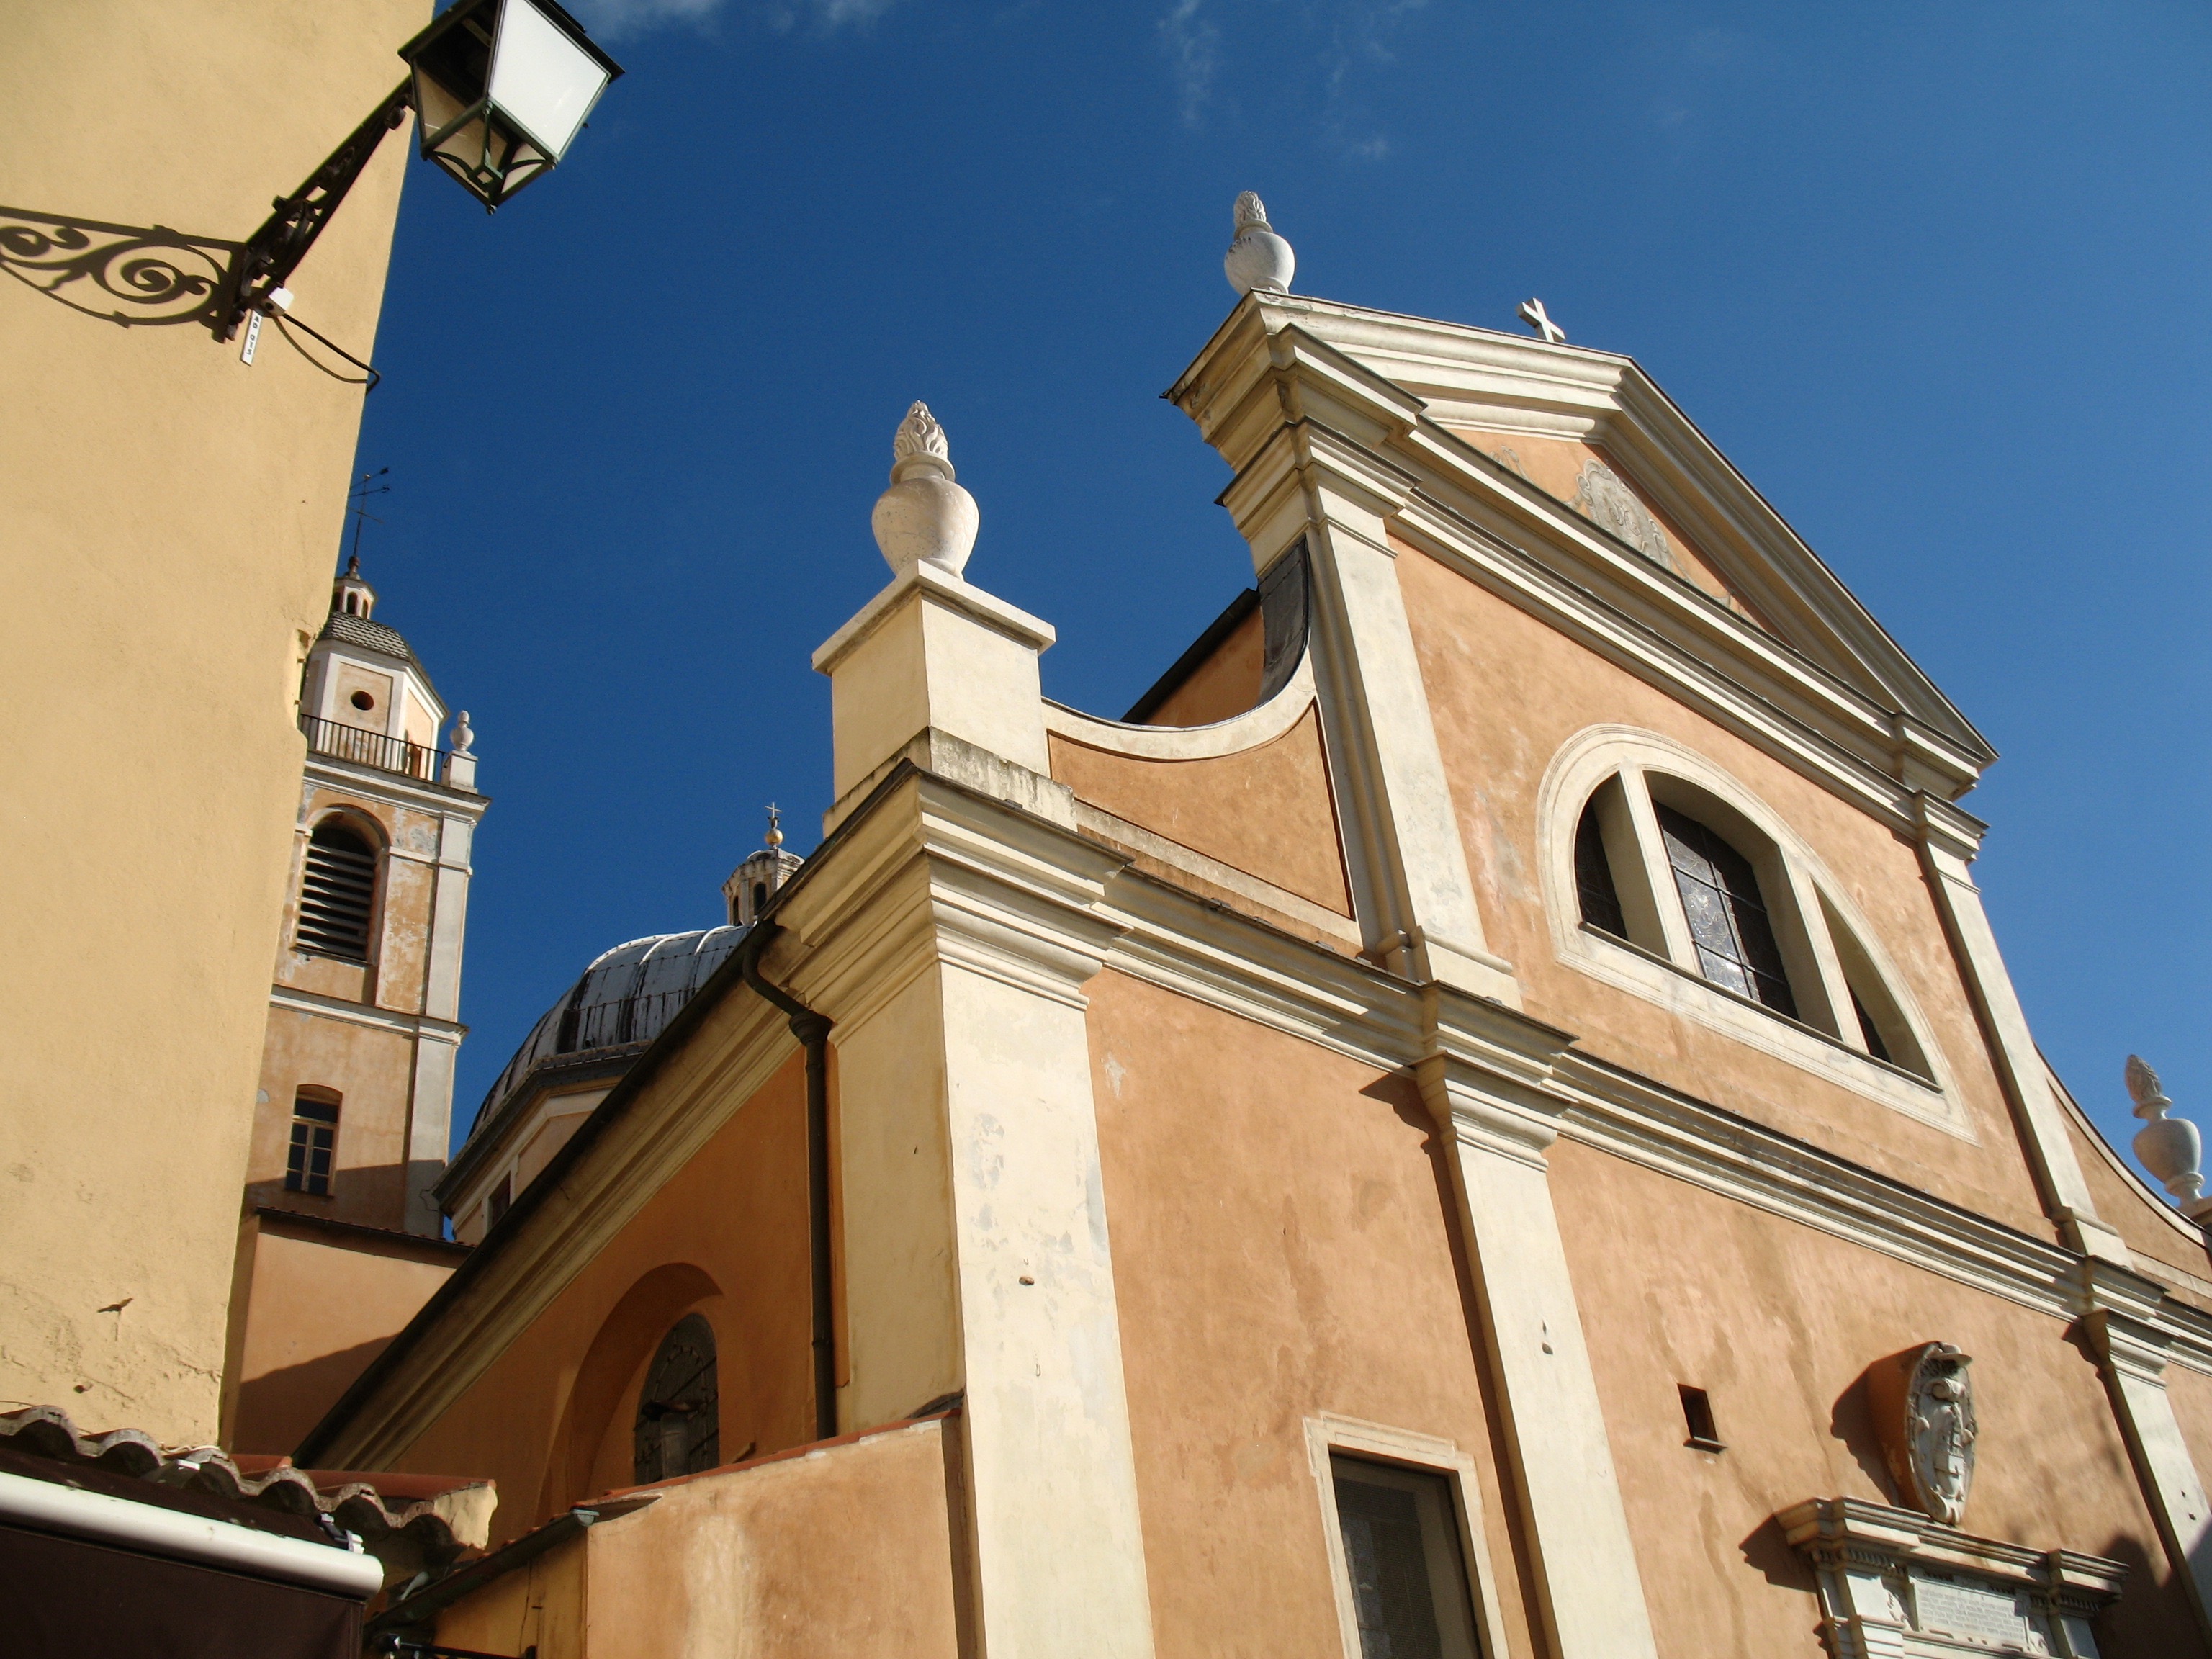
(623, 1000)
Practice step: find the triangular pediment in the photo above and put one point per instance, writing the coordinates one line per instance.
(1577, 456)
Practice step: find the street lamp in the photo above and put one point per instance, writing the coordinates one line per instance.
(502, 87)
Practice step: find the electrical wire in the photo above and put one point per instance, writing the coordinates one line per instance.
(285, 323)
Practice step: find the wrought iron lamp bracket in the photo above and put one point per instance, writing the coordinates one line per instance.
(268, 260)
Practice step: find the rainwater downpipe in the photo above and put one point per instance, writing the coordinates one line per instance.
(812, 1030)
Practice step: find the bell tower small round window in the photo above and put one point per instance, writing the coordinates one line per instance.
(363, 700)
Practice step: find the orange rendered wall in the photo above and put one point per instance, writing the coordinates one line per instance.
(1225, 684)
(726, 1238)
(1268, 811)
(1282, 1248)
(317, 1310)
(1778, 1322)
(847, 1553)
(1507, 692)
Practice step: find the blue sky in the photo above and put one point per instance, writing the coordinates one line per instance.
(1933, 276)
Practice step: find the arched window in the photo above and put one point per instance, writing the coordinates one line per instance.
(308, 1164)
(1729, 925)
(337, 892)
(1594, 886)
(679, 1425)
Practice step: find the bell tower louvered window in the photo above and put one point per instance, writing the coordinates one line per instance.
(1729, 923)
(338, 893)
(680, 1413)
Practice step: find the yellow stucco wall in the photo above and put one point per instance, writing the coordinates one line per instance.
(172, 517)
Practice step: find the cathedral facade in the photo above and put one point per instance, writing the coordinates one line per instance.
(1486, 1117)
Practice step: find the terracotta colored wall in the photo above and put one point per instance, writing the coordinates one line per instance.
(1508, 691)
(1226, 684)
(1282, 1248)
(1268, 811)
(319, 1309)
(847, 1552)
(1777, 1321)
(374, 1072)
(726, 1238)
(1555, 466)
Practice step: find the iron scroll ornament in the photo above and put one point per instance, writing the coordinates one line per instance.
(134, 276)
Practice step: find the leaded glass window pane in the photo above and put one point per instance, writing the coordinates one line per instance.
(679, 1421)
(1728, 916)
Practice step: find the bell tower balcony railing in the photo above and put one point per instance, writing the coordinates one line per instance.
(364, 748)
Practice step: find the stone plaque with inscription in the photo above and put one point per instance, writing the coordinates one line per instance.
(1897, 1584)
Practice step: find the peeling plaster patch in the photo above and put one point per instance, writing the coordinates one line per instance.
(1115, 1071)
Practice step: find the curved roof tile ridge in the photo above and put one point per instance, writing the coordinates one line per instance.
(409, 1522)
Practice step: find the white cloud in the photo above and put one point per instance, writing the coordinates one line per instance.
(613, 19)
(1191, 43)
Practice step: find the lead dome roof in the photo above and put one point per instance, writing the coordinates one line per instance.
(624, 1000)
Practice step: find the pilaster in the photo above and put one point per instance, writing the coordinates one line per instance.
(948, 939)
(1949, 841)
(2116, 1329)
(1415, 894)
(1484, 1079)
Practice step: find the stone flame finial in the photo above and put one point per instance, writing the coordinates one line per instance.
(925, 517)
(1257, 260)
(2169, 1147)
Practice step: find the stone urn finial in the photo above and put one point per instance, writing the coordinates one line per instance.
(464, 736)
(2169, 1147)
(925, 517)
(1257, 260)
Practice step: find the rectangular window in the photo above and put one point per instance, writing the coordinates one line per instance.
(1727, 918)
(1698, 1418)
(315, 1146)
(496, 1206)
(1408, 1568)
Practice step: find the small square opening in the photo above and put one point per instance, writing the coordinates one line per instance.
(1697, 1415)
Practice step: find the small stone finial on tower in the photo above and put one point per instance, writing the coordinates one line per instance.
(1531, 313)
(1258, 261)
(2169, 1147)
(925, 517)
(463, 735)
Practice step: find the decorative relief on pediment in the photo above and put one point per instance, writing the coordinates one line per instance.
(1922, 1402)
(1893, 1582)
(1605, 502)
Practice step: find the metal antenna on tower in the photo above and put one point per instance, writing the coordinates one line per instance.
(360, 493)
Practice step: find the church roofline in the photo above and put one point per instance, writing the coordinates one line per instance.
(1422, 375)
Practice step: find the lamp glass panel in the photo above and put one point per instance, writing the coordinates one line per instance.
(542, 78)
(450, 71)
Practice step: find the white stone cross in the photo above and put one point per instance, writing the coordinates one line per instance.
(1533, 313)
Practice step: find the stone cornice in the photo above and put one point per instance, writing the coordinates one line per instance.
(393, 788)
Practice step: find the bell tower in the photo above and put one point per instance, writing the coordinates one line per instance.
(341, 1240)
(755, 882)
